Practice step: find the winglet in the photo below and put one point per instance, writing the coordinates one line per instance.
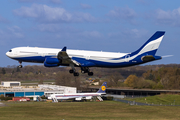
(64, 49)
(102, 89)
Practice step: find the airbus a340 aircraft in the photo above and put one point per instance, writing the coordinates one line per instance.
(80, 96)
(85, 59)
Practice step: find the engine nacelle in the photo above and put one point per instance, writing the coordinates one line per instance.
(149, 58)
(89, 97)
(52, 61)
(78, 98)
(50, 65)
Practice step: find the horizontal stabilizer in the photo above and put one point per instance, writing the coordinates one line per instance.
(167, 56)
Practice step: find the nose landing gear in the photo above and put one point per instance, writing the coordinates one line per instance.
(20, 66)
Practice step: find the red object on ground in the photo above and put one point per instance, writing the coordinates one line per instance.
(21, 98)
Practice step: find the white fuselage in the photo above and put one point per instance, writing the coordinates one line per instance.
(38, 55)
(75, 95)
(85, 59)
(82, 58)
(21, 52)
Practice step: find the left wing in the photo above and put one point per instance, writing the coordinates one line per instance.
(62, 55)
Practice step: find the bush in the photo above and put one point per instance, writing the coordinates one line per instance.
(131, 80)
(158, 86)
(5, 98)
(141, 83)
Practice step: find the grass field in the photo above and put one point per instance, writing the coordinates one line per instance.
(107, 110)
(163, 99)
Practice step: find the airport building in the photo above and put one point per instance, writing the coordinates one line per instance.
(14, 89)
(10, 83)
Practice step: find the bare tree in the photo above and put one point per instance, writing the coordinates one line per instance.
(115, 77)
(64, 78)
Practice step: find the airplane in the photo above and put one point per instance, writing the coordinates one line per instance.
(86, 59)
(80, 96)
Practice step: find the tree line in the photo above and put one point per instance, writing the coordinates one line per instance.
(140, 77)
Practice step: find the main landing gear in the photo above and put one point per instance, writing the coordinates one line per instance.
(86, 70)
(83, 70)
(74, 72)
(20, 66)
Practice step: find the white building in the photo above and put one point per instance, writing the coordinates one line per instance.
(56, 89)
(10, 83)
(14, 88)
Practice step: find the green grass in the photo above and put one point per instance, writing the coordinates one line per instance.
(164, 99)
(107, 110)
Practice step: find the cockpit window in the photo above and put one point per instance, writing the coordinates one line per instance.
(10, 50)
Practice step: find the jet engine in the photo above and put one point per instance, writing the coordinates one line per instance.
(52, 62)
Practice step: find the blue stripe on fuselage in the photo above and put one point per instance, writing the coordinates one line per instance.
(130, 55)
(91, 62)
(38, 59)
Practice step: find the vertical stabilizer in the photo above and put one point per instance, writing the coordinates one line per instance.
(102, 89)
(151, 46)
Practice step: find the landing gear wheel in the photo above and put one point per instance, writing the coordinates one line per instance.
(20, 66)
(84, 70)
(71, 71)
(90, 73)
(76, 74)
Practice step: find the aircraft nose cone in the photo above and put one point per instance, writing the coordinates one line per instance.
(7, 54)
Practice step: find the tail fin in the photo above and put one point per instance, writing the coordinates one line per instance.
(151, 46)
(102, 89)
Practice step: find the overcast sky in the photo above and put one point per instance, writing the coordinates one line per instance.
(107, 25)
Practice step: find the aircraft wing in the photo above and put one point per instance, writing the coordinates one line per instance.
(62, 55)
(83, 62)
